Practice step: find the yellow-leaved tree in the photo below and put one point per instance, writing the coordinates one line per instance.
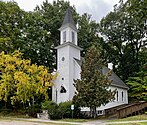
(21, 81)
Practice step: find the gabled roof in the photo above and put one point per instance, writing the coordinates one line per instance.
(68, 20)
(116, 81)
(78, 61)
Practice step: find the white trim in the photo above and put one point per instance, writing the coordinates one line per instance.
(69, 43)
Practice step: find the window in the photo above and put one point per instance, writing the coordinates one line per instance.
(122, 94)
(56, 95)
(63, 58)
(73, 36)
(99, 112)
(117, 96)
(63, 90)
(64, 36)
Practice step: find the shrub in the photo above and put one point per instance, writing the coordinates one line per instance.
(5, 111)
(34, 109)
(65, 109)
(52, 108)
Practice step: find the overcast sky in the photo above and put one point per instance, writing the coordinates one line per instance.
(97, 8)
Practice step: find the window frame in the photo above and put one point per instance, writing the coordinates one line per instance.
(64, 36)
(73, 36)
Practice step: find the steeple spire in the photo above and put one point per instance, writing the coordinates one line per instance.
(68, 19)
(68, 30)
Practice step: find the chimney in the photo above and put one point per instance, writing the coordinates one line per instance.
(110, 66)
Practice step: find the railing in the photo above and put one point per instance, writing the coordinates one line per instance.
(113, 110)
(131, 109)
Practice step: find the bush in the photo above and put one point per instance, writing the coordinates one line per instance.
(5, 111)
(65, 109)
(52, 108)
(77, 111)
(34, 109)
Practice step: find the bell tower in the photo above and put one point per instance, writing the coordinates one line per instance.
(68, 30)
(68, 58)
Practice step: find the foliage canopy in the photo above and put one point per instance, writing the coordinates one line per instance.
(21, 81)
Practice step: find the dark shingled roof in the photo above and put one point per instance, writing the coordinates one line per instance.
(68, 18)
(116, 81)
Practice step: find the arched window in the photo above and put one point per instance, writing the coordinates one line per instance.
(117, 96)
(73, 37)
(64, 36)
(122, 94)
(63, 90)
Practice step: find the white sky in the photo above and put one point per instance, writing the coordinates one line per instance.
(97, 8)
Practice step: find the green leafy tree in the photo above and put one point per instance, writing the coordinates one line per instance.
(138, 82)
(21, 81)
(37, 45)
(124, 31)
(138, 85)
(88, 32)
(11, 25)
(92, 88)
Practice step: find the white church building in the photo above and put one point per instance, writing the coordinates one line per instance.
(69, 68)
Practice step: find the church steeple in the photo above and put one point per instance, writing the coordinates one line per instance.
(68, 30)
(68, 55)
(68, 20)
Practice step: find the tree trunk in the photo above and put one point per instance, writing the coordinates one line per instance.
(93, 112)
(33, 100)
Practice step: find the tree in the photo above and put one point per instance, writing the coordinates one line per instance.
(11, 25)
(138, 82)
(21, 81)
(124, 31)
(88, 32)
(36, 41)
(138, 85)
(93, 87)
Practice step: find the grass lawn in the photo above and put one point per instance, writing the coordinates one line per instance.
(13, 115)
(75, 120)
(132, 118)
(12, 119)
(141, 123)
